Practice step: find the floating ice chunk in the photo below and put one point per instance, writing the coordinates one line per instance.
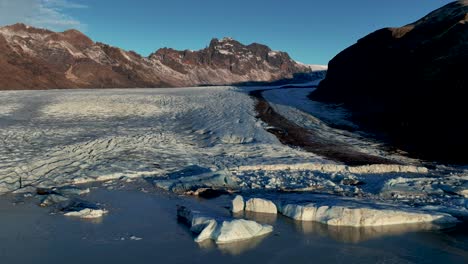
(209, 231)
(193, 218)
(238, 204)
(88, 213)
(261, 206)
(240, 229)
(349, 215)
(221, 232)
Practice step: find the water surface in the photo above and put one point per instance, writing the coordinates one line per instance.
(30, 234)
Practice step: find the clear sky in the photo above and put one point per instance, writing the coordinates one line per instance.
(311, 31)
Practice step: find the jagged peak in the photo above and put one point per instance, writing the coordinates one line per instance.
(227, 39)
(227, 43)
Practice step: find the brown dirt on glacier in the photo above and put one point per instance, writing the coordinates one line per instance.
(293, 135)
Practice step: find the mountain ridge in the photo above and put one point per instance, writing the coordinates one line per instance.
(34, 58)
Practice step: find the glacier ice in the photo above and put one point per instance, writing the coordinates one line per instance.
(87, 213)
(237, 204)
(67, 141)
(361, 216)
(221, 231)
(259, 205)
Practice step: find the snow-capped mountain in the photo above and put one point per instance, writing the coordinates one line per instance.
(32, 58)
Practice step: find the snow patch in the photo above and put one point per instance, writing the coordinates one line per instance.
(225, 52)
(273, 53)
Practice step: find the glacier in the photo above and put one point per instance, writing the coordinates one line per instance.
(186, 139)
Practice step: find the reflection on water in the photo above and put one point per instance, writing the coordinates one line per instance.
(235, 248)
(262, 218)
(95, 221)
(348, 234)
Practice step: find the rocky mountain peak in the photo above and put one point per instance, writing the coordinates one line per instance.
(224, 40)
(39, 58)
(23, 28)
(74, 37)
(226, 46)
(399, 82)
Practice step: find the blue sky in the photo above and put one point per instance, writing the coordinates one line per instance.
(311, 31)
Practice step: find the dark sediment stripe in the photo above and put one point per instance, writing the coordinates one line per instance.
(292, 134)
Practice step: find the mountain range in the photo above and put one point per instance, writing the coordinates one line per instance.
(408, 84)
(34, 58)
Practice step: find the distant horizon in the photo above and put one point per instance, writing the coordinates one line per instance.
(311, 32)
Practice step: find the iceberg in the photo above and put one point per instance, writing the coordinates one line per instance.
(259, 205)
(221, 231)
(237, 204)
(362, 215)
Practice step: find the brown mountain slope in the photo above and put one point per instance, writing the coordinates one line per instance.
(32, 58)
(408, 84)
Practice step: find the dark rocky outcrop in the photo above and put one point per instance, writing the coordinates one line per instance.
(408, 84)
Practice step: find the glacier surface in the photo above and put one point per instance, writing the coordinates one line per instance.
(205, 137)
